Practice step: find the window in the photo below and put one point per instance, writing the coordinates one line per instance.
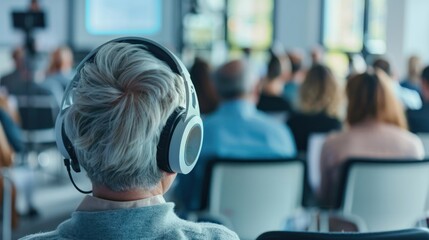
(250, 23)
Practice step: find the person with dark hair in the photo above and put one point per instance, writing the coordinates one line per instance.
(59, 72)
(418, 120)
(409, 98)
(377, 128)
(412, 80)
(291, 88)
(270, 100)
(201, 78)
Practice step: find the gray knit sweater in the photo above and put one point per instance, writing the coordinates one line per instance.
(152, 222)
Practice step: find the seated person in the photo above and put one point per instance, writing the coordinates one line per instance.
(409, 98)
(377, 129)
(318, 111)
(122, 101)
(236, 129)
(271, 100)
(418, 120)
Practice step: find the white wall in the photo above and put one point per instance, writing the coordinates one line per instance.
(298, 23)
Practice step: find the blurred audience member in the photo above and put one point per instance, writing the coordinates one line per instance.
(319, 104)
(409, 98)
(201, 77)
(418, 120)
(129, 95)
(412, 80)
(236, 129)
(316, 55)
(15, 79)
(377, 128)
(271, 100)
(291, 88)
(10, 143)
(59, 73)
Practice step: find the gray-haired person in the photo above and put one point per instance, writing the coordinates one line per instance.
(116, 121)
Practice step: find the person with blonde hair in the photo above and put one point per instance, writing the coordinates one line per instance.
(319, 102)
(377, 128)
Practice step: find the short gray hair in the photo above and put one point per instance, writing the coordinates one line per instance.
(236, 78)
(121, 103)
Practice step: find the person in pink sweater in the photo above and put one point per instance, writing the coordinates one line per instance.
(377, 128)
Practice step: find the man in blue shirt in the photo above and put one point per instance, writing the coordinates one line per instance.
(237, 129)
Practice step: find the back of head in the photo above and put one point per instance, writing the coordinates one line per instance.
(274, 68)
(278, 67)
(370, 97)
(235, 79)
(414, 67)
(200, 73)
(121, 104)
(382, 64)
(295, 61)
(320, 91)
(18, 56)
(61, 60)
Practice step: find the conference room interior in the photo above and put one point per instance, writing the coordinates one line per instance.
(332, 171)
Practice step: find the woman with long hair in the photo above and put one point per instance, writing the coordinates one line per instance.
(319, 105)
(377, 128)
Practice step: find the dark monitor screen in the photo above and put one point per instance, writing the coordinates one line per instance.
(28, 20)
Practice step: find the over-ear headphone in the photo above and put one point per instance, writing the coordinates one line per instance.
(180, 141)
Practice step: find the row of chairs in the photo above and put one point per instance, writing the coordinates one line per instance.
(256, 196)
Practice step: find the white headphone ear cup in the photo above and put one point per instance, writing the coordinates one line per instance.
(186, 145)
(59, 137)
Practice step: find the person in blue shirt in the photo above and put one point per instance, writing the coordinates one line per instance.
(236, 129)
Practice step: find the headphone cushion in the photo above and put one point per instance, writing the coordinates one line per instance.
(163, 149)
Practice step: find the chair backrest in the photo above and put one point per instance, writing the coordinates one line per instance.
(385, 194)
(256, 195)
(38, 114)
(315, 144)
(406, 234)
(424, 137)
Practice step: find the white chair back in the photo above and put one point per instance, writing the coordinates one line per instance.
(424, 137)
(386, 194)
(256, 196)
(315, 144)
